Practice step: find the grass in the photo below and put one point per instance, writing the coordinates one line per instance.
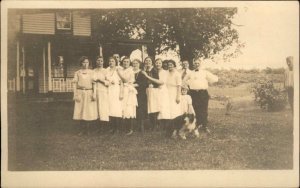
(233, 92)
(42, 136)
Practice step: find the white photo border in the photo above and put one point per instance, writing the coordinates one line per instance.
(195, 178)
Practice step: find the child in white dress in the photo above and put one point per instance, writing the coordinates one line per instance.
(186, 101)
(186, 108)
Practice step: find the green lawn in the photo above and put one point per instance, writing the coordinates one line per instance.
(42, 136)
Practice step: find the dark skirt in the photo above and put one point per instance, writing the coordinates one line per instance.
(141, 111)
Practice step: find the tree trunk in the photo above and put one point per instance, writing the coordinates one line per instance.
(186, 53)
(151, 50)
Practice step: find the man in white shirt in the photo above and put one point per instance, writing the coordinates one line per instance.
(289, 81)
(198, 80)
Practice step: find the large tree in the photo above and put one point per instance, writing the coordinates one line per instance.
(199, 32)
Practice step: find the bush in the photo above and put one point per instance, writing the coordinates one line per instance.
(268, 70)
(278, 71)
(269, 97)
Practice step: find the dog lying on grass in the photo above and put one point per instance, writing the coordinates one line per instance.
(185, 125)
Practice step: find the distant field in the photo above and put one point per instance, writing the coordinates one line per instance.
(233, 92)
(233, 78)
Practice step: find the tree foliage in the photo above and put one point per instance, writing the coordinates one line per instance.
(199, 32)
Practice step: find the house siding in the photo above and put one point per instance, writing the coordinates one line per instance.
(81, 24)
(43, 23)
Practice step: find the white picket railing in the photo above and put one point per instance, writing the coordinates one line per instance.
(11, 86)
(62, 85)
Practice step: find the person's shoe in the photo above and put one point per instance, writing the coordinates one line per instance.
(183, 137)
(113, 131)
(174, 135)
(98, 131)
(129, 133)
(206, 130)
(196, 132)
(80, 134)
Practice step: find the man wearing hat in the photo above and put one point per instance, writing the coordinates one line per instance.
(289, 81)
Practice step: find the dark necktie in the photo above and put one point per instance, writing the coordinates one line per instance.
(197, 70)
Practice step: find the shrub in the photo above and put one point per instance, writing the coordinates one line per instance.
(268, 70)
(278, 71)
(269, 97)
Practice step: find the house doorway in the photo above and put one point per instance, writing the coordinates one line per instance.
(32, 66)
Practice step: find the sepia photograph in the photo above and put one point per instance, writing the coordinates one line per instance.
(187, 91)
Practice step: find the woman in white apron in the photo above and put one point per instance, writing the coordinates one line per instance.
(101, 92)
(153, 101)
(164, 115)
(115, 95)
(129, 95)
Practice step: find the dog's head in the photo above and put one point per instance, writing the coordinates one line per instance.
(189, 119)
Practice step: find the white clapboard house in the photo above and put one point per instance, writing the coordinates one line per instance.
(44, 47)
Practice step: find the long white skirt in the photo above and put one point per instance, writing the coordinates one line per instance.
(85, 108)
(165, 109)
(153, 100)
(175, 108)
(115, 104)
(129, 102)
(102, 104)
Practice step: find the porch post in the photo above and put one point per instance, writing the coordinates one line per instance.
(100, 50)
(44, 69)
(143, 52)
(49, 67)
(24, 69)
(18, 67)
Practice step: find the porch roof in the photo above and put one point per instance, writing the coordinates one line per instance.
(127, 41)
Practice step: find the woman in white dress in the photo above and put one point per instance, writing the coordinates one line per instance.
(129, 94)
(164, 114)
(85, 108)
(174, 90)
(115, 95)
(101, 92)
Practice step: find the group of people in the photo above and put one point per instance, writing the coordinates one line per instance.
(128, 93)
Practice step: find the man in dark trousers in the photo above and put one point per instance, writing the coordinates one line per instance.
(198, 80)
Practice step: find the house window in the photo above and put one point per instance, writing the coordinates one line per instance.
(63, 21)
(58, 68)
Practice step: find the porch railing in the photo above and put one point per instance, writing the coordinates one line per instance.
(62, 84)
(11, 86)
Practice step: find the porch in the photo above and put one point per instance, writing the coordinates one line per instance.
(48, 66)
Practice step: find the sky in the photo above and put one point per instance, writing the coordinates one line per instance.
(270, 32)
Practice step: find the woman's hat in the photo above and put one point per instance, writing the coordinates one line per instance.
(185, 86)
